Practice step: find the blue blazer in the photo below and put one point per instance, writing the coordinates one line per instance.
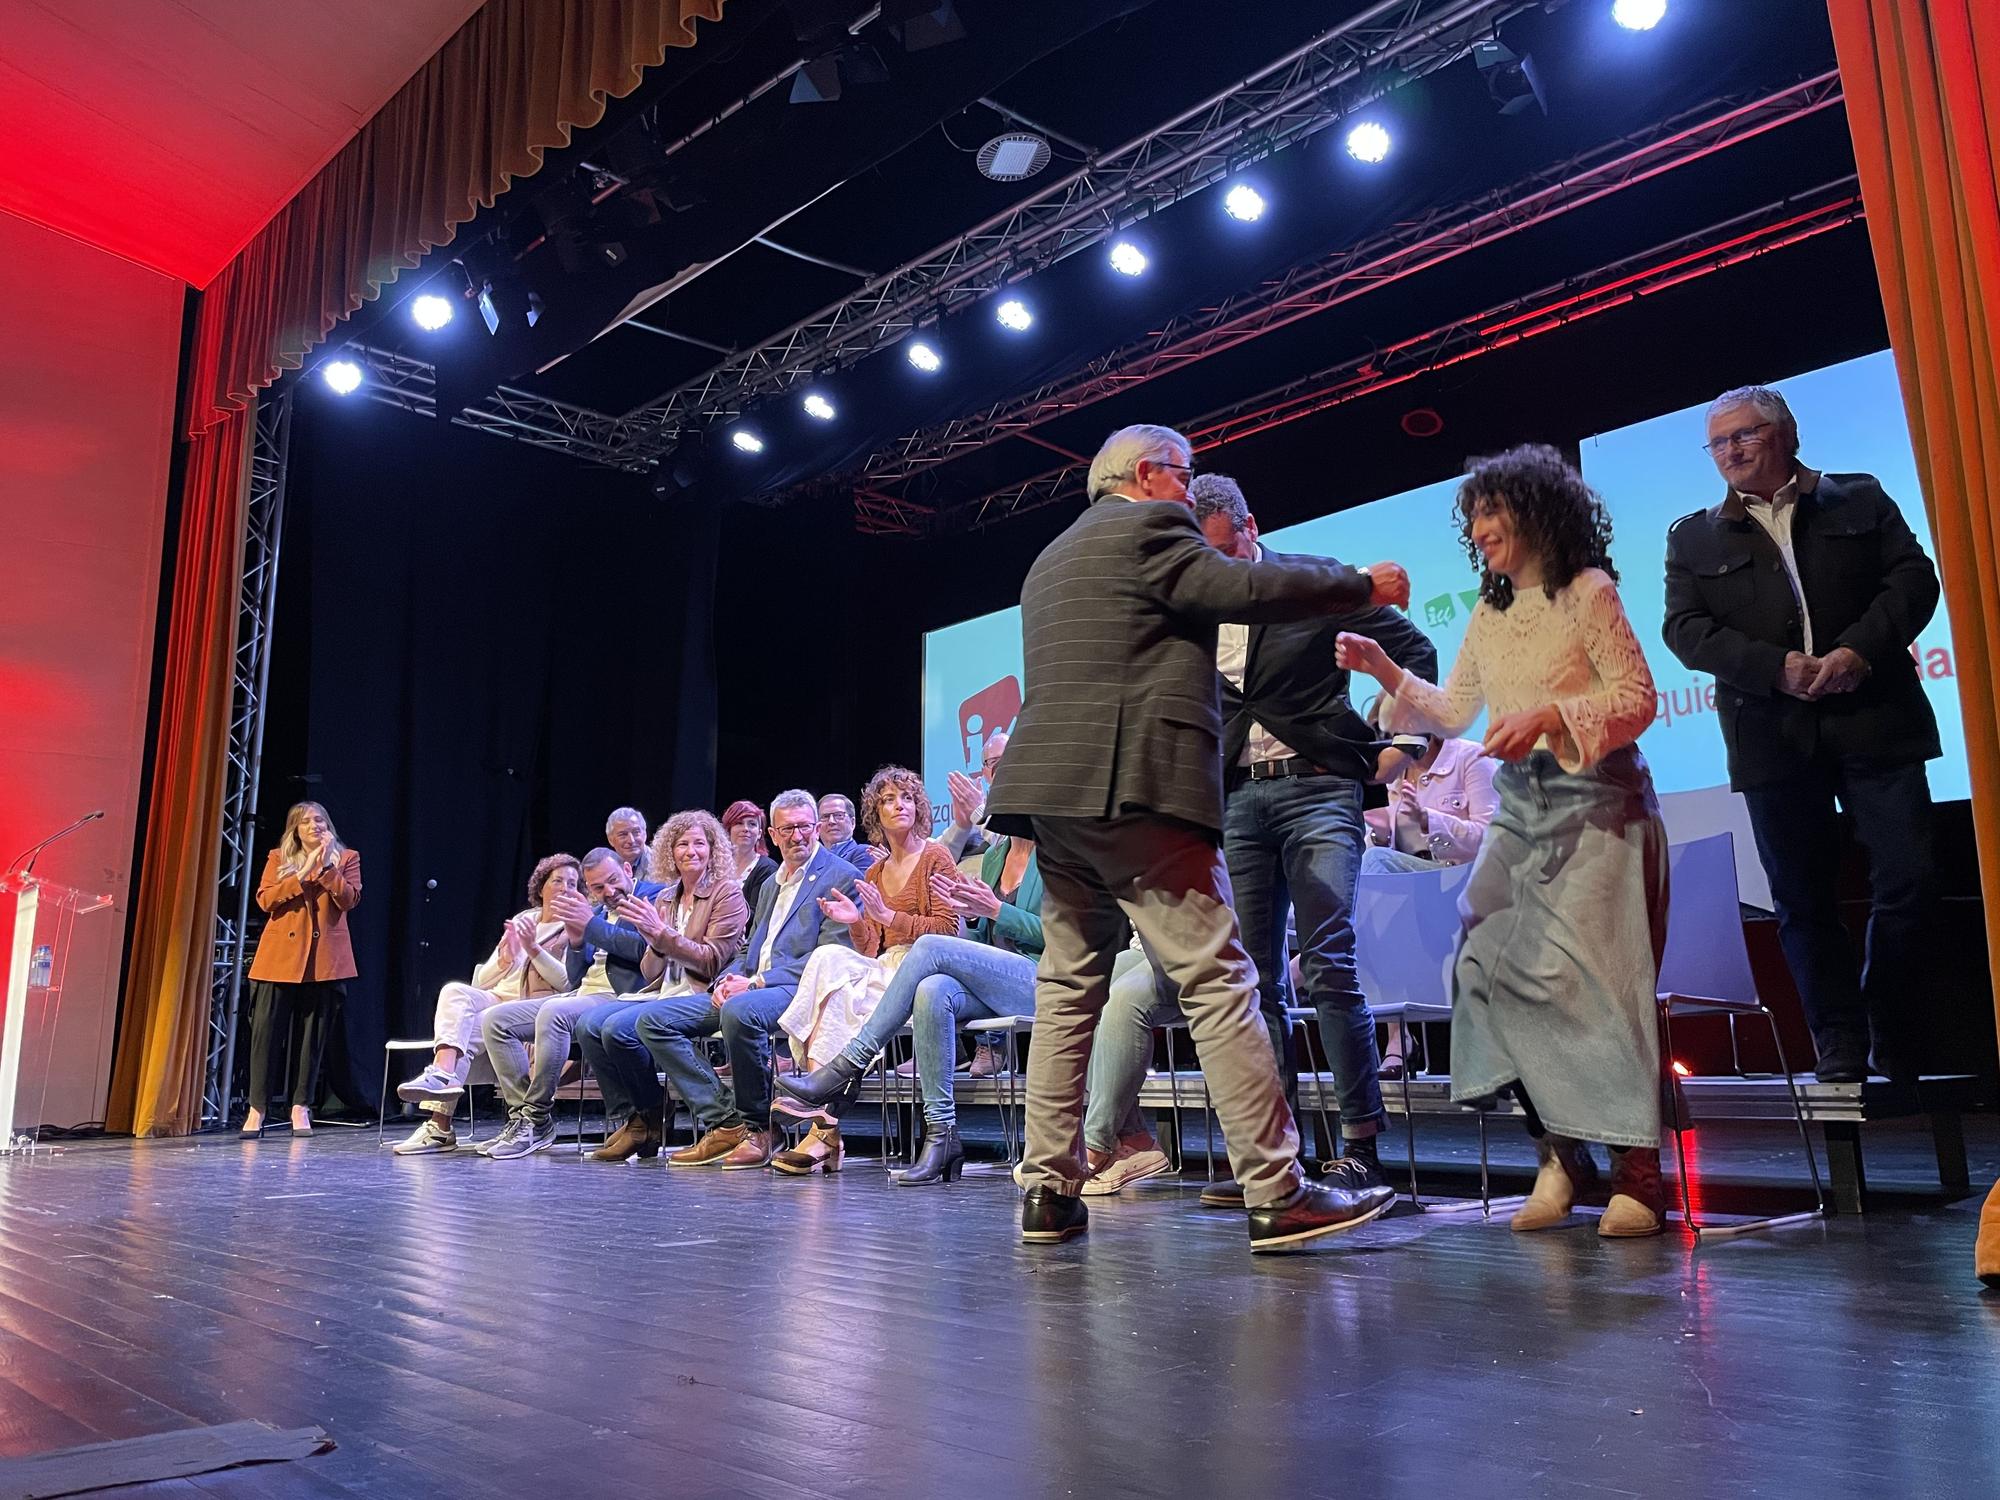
(800, 933)
(623, 946)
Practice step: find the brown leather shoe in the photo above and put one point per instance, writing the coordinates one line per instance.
(639, 1136)
(752, 1154)
(820, 1151)
(711, 1148)
(1986, 1255)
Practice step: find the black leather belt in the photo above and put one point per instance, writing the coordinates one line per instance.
(1272, 770)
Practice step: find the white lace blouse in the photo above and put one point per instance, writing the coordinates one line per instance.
(1576, 651)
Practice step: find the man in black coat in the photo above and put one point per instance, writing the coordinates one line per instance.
(1115, 769)
(1295, 758)
(1800, 593)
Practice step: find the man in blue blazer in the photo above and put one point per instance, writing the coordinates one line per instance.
(744, 1005)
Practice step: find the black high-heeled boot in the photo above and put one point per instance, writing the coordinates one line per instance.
(822, 1085)
(942, 1160)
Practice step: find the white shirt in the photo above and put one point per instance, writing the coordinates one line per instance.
(1775, 516)
(1232, 657)
(781, 908)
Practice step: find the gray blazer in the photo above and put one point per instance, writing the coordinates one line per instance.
(1118, 624)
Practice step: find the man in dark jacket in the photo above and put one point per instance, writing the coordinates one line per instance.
(1295, 757)
(1115, 770)
(1800, 593)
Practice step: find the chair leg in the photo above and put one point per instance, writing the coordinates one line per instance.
(382, 1102)
(1666, 1026)
(1410, 1135)
(1798, 1112)
(1485, 1174)
(1207, 1129)
(1174, 1088)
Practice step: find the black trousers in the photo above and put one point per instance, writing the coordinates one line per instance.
(1798, 839)
(301, 1014)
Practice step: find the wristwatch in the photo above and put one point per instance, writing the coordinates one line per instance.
(1365, 573)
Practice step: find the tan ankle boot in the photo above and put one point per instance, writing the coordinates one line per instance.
(1986, 1255)
(1638, 1201)
(1566, 1169)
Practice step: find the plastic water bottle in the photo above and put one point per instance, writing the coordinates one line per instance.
(41, 967)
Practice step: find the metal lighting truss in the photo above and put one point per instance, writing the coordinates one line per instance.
(1289, 100)
(411, 384)
(1746, 237)
(236, 873)
(1310, 288)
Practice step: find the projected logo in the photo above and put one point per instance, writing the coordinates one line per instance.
(986, 712)
(1441, 611)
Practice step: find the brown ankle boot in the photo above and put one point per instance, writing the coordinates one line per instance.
(1565, 1171)
(1638, 1201)
(640, 1136)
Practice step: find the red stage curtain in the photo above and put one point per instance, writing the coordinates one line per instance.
(513, 81)
(1923, 103)
(157, 1072)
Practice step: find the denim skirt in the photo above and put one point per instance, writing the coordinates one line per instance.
(1564, 920)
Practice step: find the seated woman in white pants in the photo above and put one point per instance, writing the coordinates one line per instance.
(530, 959)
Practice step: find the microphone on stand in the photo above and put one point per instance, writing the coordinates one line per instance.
(34, 851)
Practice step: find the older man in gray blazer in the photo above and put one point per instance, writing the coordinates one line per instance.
(1115, 769)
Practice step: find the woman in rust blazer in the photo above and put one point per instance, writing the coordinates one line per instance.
(297, 980)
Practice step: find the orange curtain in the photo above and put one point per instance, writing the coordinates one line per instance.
(516, 79)
(157, 1073)
(1923, 104)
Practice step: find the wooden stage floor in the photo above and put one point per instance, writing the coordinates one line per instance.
(554, 1327)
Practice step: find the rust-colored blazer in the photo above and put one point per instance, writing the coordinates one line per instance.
(305, 934)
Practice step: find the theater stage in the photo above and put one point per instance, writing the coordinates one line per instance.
(555, 1327)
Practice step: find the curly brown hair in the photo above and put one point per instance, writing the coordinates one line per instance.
(893, 778)
(547, 867)
(1557, 516)
(721, 853)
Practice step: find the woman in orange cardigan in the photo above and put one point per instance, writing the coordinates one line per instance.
(311, 882)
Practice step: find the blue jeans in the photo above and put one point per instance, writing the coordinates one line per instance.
(1378, 858)
(623, 1068)
(1122, 1050)
(1296, 841)
(666, 1033)
(1798, 839)
(942, 983)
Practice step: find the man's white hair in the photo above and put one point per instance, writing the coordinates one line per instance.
(796, 797)
(1768, 404)
(1118, 460)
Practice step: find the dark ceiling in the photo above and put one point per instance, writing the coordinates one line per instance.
(884, 174)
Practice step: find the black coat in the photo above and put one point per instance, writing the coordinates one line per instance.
(1731, 613)
(1118, 622)
(1292, 687)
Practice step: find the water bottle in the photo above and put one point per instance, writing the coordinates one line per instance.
(41, 967)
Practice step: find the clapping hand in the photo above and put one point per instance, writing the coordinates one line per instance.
(967, 895)
(510, 943)
(1409, 805)
(573, 912)
(524, 926)
(872, 905)
(642, 917)
(1392, 584)
(967, 799)
(838, 905)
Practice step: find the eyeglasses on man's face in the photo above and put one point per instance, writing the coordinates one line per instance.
(1742, 437)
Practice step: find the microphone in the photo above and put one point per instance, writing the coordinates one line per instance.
(34, 851)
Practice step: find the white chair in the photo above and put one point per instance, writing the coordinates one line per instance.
(1706, 972)
(389, 1049)
(1405, 937)
(987, 1029)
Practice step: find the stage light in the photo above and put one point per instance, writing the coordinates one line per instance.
(1682, 1069)
(343, 376)
(1638, 15)
(1368, 142)
(431, 311)
(818, 406)
(746, 442)
(1127, 259)
(925, 358)
(1014, 314)
(1244, 203)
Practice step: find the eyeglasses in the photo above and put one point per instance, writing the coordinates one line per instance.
(1186, 469)
(790, 830)
(1743, 436)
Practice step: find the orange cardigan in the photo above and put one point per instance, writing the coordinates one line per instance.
(913, 911)
(305, 936)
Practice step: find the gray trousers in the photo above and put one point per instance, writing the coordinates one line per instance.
(1169, 883)
(528, 1084)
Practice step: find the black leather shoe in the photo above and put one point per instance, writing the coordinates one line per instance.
(1228, 1193)
(1842, 1059)
(822, 1085)
(1049, 1217)
(1354, 1173)
(1315, 1209)
(942, 1160)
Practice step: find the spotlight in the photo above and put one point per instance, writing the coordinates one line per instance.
(1682, 1070)
(925, 358)
(1127, 259)
(746, 441)
(818, 406)
(343, 376)
(1368, 142)
(1638, 15)
(1014, 314)
(1244, 203)
(431, 311)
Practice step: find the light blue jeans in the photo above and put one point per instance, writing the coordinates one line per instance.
(1122, 1051)
(943, 983)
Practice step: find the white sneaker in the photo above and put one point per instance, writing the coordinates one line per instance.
(1123, 1170)
(432, 1086)
(427, 1139)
